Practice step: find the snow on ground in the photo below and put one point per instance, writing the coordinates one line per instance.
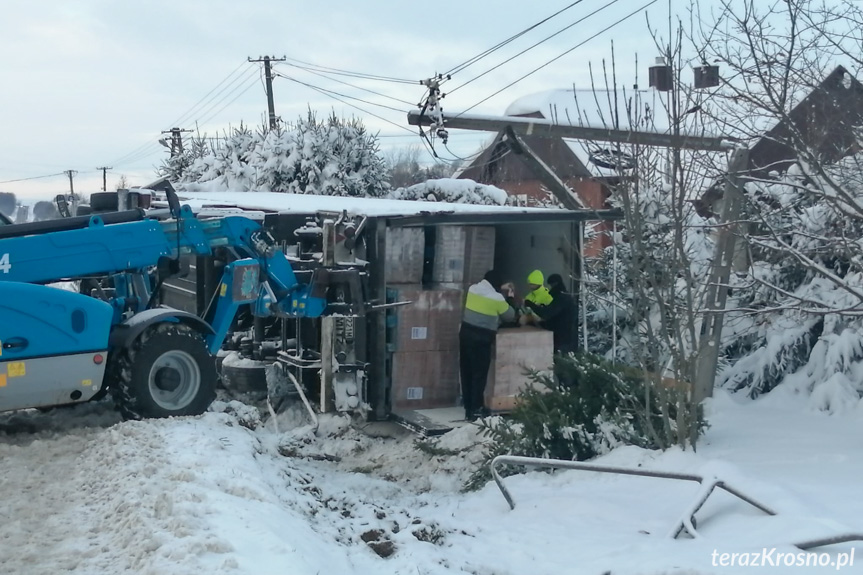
(83, 492)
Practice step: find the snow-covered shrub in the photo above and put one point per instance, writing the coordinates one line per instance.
(333, 157)
(452, 190)
(607, 406)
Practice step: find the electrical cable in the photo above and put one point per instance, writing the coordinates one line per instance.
(500, 45)
(341, 72)
(245, 81)
(220, 110)
(340, 94)
(33, 178)
(207, 95)
(311, 71)
(529, 48)
(328, 93)
(185, 115)
(559, 56)
(145, 153)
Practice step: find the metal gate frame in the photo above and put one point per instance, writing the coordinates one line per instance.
(685, 523)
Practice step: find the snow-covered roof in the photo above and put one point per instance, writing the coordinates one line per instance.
(372, 207)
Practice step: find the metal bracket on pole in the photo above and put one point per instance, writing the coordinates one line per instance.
(686, 523)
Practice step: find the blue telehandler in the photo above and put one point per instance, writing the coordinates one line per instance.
(59, 347)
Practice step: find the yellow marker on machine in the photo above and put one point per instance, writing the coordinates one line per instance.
(224, 290)
(16, 369)
(87, 382)
(2, 380)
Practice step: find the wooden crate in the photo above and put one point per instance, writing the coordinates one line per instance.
(516, 350)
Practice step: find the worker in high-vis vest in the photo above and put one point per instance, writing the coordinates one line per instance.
(538, 294)
(485, 307)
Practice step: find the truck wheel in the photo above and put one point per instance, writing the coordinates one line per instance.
(166, 372)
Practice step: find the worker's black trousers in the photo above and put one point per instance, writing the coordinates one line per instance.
(475, 345)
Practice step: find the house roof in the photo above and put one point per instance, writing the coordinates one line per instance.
(633, 109)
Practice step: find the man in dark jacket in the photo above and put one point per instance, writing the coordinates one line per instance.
(559, 316)
(485, 307)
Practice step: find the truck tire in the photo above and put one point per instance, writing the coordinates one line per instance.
(104, 201)
(166, 372)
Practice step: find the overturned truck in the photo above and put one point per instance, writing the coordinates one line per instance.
(398, 352)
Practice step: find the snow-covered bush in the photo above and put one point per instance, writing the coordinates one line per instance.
(802, 304)
(606, 407)
(334, 157)
(452, 190)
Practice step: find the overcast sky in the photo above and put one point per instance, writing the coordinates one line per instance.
(89, 83)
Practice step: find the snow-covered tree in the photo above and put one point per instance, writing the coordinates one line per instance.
(795, 316)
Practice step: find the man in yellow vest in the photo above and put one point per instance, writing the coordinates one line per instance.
(538, 295)
(485, 307)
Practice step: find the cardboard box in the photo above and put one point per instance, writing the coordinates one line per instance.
(463, 254)
(430, 323)
(425, 379)
(479, 251)
(405, 255)
(516, 350)
(449, 254)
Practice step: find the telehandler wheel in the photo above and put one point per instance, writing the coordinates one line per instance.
(166, 372)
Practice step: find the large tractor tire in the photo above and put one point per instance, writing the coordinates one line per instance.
(166, 372)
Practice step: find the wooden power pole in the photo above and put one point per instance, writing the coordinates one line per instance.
(105, 177)
(71, 174)
(268, 77)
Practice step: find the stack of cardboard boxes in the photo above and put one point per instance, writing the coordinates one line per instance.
(423, 336)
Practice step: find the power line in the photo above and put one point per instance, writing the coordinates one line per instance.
(246, 81)
(485, 53)
(311, 71)
(220, 110)
(341, 72)
(327, 93)
(547, 38)
(33, 178)
(208, 97)
(199, 102)
(559, 56)
(340, 94)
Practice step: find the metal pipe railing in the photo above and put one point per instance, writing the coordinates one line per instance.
(686, 523)
(831, 540)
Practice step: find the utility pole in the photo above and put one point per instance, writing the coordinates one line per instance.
(105, 177)
(71, 174)
(268, 76)
(176, 141)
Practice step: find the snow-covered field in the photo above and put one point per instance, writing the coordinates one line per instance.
(82, 492)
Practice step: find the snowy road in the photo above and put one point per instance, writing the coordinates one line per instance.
(82, 492)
